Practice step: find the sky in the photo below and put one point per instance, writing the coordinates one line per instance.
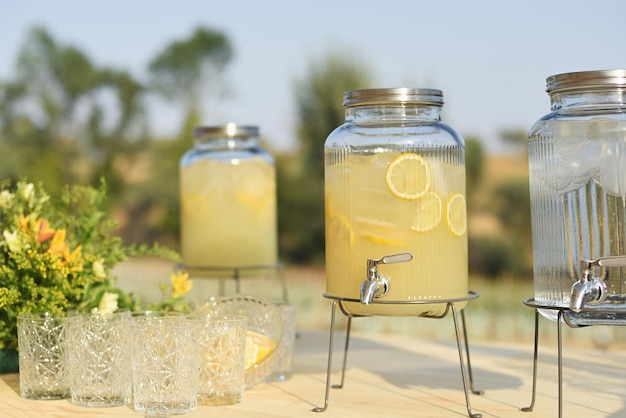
(490, 58)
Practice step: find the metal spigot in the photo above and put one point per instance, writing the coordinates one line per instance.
(377, 285)
(590, 289)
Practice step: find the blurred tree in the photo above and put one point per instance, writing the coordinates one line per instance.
(57, 118)
(189, 72)
(516, 139)
(301, 190)
(474, 164)
(512, 206)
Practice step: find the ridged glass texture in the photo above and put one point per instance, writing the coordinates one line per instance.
(577, 170)
(365, 220)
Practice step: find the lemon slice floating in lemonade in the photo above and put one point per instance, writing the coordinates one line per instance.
(456, 213)
(340, 230)
(428, 213)
(408, 176)
(258, 347)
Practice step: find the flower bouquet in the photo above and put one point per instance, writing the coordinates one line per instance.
(57, 255)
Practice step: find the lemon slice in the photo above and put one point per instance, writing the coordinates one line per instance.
(457, 217)
(428, 212)
(408, 176)
(258, 347)
(377, 239)
(339, 229)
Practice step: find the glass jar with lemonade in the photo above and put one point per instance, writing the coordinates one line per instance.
(395, 185)
(228, 200)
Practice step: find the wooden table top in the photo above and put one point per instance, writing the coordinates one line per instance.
(402, 376)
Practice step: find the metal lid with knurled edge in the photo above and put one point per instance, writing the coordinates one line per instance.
(586, 79)
(230, 130)
(368, 97)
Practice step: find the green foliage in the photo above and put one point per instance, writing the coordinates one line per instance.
(301, 190)
(474, 162)
(493, 257)
(184, 69)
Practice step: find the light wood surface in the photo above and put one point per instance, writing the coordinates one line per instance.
(402, 376)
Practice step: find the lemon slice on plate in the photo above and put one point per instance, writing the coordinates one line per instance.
(258, 347)
(456, 214)
(408, 176)
(428, 213)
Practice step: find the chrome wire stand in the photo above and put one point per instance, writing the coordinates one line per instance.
(466, 371)
(561, 318)
(235, 273)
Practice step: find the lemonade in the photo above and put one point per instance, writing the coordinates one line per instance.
(228, 213)
(386, 201)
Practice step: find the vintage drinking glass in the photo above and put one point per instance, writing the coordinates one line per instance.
(284, 365)
(100, 359)
(43, 355)
(222, 343)
(165, 364)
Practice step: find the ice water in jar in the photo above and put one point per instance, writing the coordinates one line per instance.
(395, 185)
(228, 200)
(577, 170)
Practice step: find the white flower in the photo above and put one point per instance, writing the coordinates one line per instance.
(13, 241)
(5, 198)
(28, 192)
(108, 303)
(98, 269)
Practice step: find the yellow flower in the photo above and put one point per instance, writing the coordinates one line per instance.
(181, 285)
(58, 245)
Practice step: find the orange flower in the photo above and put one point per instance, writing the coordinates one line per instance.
(45, 232)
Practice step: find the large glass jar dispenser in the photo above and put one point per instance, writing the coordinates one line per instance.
(396, 225)
(577, 169)
(228, 200)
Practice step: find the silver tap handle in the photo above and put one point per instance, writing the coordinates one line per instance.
(613, 261)
(396, 258)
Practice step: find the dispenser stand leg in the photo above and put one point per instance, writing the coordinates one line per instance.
(534, 390)
(345, 355)
(463, 375)
(330, 357)
(467, 352)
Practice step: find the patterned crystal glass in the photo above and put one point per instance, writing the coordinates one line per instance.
(43, 356)
(165, 365)
(100, 359)
(222, 354)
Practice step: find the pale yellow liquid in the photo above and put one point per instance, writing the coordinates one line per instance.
(364, 220)
(228, 213)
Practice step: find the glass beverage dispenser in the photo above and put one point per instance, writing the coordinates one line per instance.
(228, 200)
(395, 216)
(577, 169)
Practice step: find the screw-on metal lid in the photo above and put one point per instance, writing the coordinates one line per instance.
(586, 79)
(230, 130)
(392, 95)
